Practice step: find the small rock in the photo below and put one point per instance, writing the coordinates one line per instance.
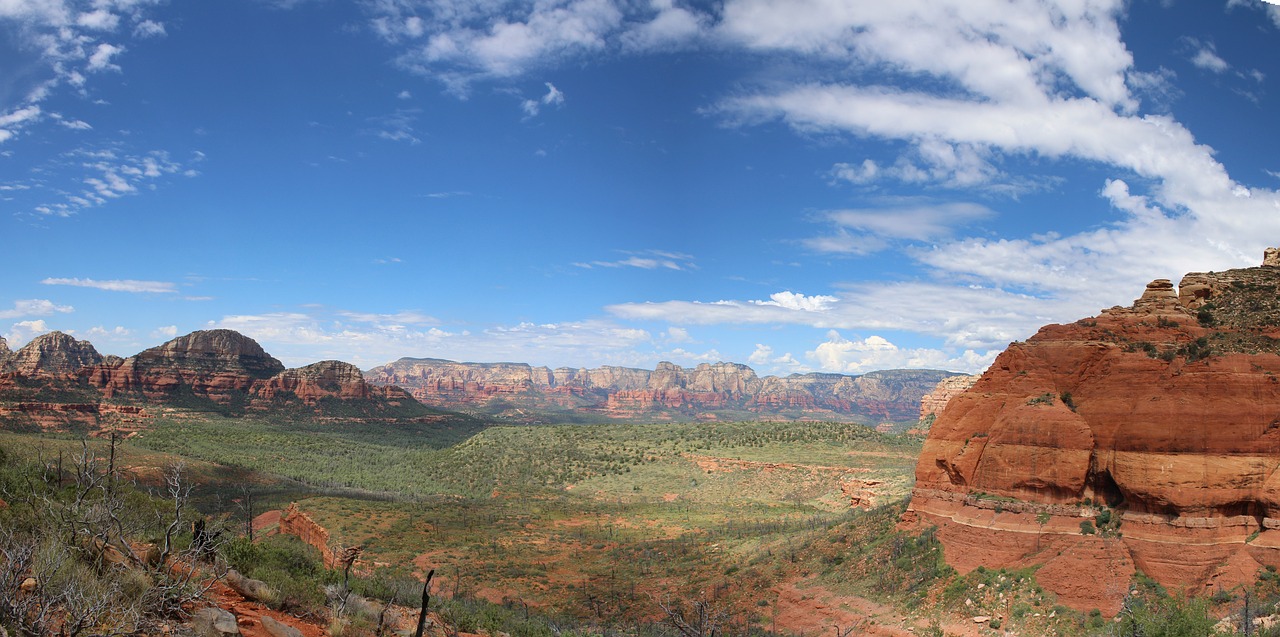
(29, 585)
(278, 629)
(214, 622)
(981, 619)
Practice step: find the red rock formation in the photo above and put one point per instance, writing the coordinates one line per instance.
(220, 365)
(53, 354)
(6, 355)
(936, 400)
(293, 521)
(1163, 415)
(621, 392)
(216, 367)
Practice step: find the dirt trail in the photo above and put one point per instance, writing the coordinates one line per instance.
(249, 615)
(809, 610)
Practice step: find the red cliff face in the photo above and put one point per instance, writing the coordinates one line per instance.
(1164, 416)
(667, 391)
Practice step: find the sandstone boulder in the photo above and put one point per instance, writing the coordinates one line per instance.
(214, 622)
(277, 629)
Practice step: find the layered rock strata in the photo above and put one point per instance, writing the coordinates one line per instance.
(58, 382)
(1157, 424)
(667, 391)
(932, 403)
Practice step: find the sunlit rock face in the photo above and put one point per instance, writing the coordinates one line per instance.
(1164, 414)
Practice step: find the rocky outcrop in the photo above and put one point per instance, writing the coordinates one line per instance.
(220, 365)
(53, 354)
(669, 391)
(57, 382)
(6, 355)
(1163, 417)
(932, 403)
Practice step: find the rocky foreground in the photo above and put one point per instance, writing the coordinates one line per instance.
(1146, 438)
(669, 392)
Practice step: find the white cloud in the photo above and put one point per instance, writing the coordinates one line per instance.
(670, 26)
(17, 119)
(553, 96)
(149, 29)
(167, 332)
(116, 285)
(866, 230)
(366, 340)
(645, 260)
(460, 41)
(100, 59)
(844, 356)
(110, 175)
(793, 301)
(23, 331)
(677, 335)
(1206, 56)
(963, 317)
(102, 332)
(398, 126)
(764, 362)
(98, 20)
(35, 307)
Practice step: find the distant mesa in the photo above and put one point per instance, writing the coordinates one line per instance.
(56, 382)
(1145, 438)
(669, 392)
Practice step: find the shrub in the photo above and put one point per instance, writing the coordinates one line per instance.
(1086, 527)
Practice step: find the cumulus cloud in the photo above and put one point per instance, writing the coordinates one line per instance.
(116, 285)
(166, 332)
(35, 307)
(845, 356)
(22, 331)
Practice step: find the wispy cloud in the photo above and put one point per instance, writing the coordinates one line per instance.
(867, 230)
(458, 42)
(89, 177)
(553, 97)
(35, 307)
(397, 126)
(117, 285)
(645, 260)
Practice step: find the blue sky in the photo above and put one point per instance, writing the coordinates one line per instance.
(812, 185)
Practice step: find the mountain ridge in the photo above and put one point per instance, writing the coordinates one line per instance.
(667, 392)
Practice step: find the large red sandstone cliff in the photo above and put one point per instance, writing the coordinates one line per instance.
(665, 392)
(1164, 416)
